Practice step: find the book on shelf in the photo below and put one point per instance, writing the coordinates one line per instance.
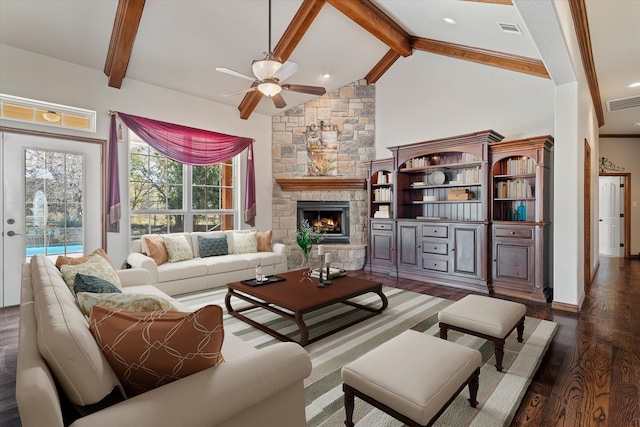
(383, 208)
(381, 214)
(334, 273)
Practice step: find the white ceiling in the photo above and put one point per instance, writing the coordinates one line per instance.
(181, 42)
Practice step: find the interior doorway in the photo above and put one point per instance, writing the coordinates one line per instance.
(614, 214)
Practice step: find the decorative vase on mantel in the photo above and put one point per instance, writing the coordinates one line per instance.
(306, 264)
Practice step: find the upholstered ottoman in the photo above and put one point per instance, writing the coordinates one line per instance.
(412, 377)
(485, 317)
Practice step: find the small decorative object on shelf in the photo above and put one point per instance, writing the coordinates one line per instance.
(522, 212)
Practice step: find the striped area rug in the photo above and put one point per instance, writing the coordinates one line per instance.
(499, 395)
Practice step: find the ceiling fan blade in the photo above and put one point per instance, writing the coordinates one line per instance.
(287, 70)
(235, 73)
(278, 100)
(311, 90)
(240, 92)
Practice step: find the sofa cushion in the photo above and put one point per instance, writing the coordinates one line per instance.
(245, 243)
(264, 241)
(86, 283)
(182, 270)
(66, 260)
(150, 349)
(156, 250)
(178, 248)
(216, 265)
(64, 339)
(96, 266)
(123, 301)
(194, 240)
(212, 246)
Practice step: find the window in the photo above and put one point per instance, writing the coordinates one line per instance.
(169, 197)
(46, 113)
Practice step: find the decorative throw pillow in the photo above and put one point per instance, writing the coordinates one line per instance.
(156, 250)
(66, 260)
(264, 241)
(123, 301)
(85, 283)
(147, 350)
(178, 248)
(212, 246)
(245, 243)
(95, 266)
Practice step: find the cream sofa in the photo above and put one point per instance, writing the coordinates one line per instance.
(197, 274)
(61, 366)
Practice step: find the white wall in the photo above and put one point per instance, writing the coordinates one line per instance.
(39, 77)
(425, 97)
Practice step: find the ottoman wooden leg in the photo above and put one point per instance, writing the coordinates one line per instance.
(473, 388)
(443, 331)
(349, 402)
(520, 329)
(499, 352)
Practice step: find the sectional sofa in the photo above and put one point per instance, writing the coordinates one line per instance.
(200, 273)
(63, 378)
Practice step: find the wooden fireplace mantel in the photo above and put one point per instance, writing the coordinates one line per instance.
(319, 183)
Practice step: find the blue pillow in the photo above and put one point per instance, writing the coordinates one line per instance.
(96, 285)
(213, 246)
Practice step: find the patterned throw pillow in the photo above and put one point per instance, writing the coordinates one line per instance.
(85, 283)
(66, 260)
(245, 243)
(147, 350)
(212, 246)
(156, 250)
(123, 301)
(178, 248)
(264, 241)
(96, 266)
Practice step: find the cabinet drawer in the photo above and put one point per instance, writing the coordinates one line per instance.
(435, 248)
(514, 232)
(435, 264)
(382, 226)
(435, 231)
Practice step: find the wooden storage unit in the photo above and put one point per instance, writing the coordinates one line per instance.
(521, 175)
(381, 254)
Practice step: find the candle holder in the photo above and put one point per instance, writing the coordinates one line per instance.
(327, 281)
(321, 283)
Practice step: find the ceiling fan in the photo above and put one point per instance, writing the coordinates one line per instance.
(269, 74)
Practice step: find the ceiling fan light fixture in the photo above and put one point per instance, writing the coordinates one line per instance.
(265, 69)
(269, 88)
(51, 116)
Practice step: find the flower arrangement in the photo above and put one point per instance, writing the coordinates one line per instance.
(306, 237)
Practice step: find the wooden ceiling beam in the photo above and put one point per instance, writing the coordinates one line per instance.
(382, 66)
(376, 22)
(581, 25)
(507, 61)
(298, 26)
(123, 35)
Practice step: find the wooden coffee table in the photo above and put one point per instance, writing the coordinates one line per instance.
(292, 298)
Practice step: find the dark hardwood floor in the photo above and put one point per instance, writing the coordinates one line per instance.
(590, 375)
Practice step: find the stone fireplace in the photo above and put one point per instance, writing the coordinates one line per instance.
(351, 109)
(331, 217)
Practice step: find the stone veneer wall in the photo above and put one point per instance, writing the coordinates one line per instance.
(352, 109)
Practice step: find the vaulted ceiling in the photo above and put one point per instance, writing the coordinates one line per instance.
(178, 44)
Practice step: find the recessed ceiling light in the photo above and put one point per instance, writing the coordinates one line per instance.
(449, 21)
(326, 74)
(637, 125)
(636, 84)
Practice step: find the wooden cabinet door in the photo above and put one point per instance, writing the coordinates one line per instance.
(382, 244)
(514, 263)
(408, 247)
(467, 255)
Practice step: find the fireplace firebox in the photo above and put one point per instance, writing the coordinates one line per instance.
(330, 217)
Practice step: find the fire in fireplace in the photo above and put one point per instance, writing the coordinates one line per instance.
(330, 217)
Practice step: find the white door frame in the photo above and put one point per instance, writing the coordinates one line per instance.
(103, 170)
(627, 210)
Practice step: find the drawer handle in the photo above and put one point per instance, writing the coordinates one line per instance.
(513, 232)
(435, 248)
